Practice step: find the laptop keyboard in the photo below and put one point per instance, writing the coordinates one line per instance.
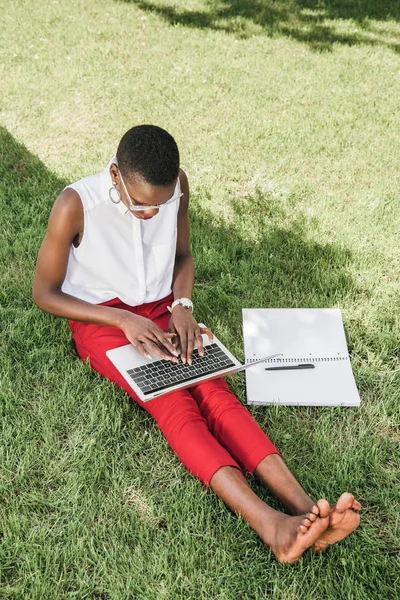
(162, 374)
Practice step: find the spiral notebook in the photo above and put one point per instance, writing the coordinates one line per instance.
(310, 339)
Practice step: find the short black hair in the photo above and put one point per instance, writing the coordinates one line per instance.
(148, 152)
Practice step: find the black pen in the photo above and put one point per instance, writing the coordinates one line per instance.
(290, 367)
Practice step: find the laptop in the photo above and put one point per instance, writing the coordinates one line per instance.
(150, 378)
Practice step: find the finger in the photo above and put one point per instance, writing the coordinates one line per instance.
(208, 331)
(199, 341)
(165, 337)
(190, 347)
(162, 340)
(184, 345)
(160, 351)
(175, 340)
(139, 346)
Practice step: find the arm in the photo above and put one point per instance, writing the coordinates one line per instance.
(183, 277)
(66, 225)
(182, 321)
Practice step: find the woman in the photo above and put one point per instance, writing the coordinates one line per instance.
(115, 256)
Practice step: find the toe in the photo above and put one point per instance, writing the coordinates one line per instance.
(319, 546)
(344, 502)
(324, 507)
(356, 505)
(311, 517)
(306, 522)
(302, 528)
(315, 510)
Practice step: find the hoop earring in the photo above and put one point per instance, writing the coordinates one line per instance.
(114, 188)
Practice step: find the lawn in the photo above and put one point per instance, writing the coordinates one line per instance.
(287, 118)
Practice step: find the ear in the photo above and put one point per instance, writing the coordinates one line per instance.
(114, 171)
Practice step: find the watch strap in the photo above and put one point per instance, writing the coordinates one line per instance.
(186, 302)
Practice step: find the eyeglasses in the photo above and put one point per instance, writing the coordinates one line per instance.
(144, 207)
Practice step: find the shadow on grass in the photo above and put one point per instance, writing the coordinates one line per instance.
(245, 263)
(280, 266)
(27, 192)
(264, 262)
(268, 261)
(63, 496)
(307, 21)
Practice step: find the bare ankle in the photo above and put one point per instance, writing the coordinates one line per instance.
(282, 483)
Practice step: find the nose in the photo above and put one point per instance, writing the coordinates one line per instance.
(149, 214)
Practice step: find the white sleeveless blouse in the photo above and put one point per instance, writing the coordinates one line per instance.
(120, 256)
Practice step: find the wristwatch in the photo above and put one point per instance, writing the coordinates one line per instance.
(185, 302)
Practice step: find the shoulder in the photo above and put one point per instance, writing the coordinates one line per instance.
(69, 202)
(67, 213)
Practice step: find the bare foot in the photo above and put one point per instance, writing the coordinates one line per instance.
(295, 534)
(343, 519)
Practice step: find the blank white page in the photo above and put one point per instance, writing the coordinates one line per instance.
(296, 332)
(302, 336)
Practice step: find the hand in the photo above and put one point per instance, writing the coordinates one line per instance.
(183, 324)
(141, 331)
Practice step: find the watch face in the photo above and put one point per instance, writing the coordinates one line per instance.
(186, 303)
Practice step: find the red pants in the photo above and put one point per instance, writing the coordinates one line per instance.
(205, 425)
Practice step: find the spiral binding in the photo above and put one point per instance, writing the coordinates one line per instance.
(300, 360)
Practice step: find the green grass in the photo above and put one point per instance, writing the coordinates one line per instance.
(286, 115)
